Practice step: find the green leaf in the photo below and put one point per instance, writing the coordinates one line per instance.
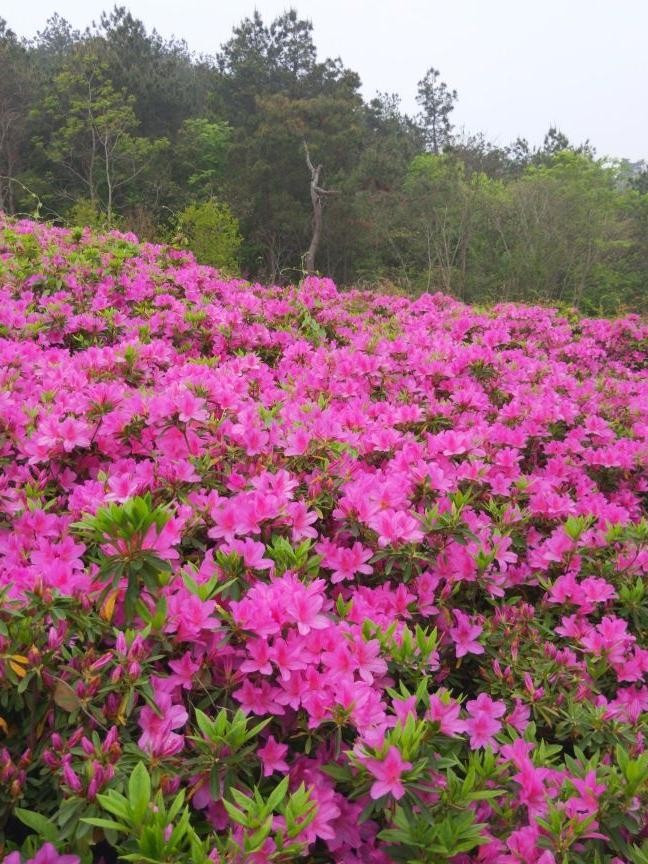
(38, 823)
(114, 803)
(241, 799)
(205, 725)
(255, 841)
(108, 824)
(237, 815)
(175, 807)
(278, 794)
(139, 791)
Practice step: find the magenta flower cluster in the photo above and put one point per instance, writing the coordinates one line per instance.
(405, 539)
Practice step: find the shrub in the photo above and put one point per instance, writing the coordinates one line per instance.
(211, 231)
(298, 575)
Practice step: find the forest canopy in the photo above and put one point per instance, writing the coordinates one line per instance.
(117, 126)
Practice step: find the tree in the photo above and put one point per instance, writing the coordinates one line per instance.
(211, 231)
(16, 92)
(92, 128)
(391, 139)
(201, 154)
(437, 102)
(519, 155)
(640, 180)
(167, 83)
(317, 198)
(439, 198)
(260, 59)
(116, 124)
(567, 232)
(275, 94)
(480, 155)
(55, 42)
(556, 142)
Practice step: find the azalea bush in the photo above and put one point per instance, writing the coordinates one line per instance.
(299, 575)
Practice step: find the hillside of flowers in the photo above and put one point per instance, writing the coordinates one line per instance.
(288, 574)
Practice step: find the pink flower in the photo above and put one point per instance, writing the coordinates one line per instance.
(259, 653)
(519, 717)
(483, 723)
(297, 442)
(189, 616)
(589, 795)
(74, 433)
(47, 854)
(253, 439)
(404, 708)
(258, 700)
(445, 711)
(464, 635)
(369, 663)
(189, 407)
(251, 552)
(340, 660)
(272, 756)
(157, 737)
(610, 639)
(396, 526)
(533, 791)
(327, 810)
(288, 655)
(301, 519)
(184, 670)
(388, 773)
(225, 522)
(349, 562)
(443, 460)
(303, 607)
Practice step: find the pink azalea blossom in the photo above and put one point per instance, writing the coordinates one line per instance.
(272, 756)
(158, 737)
(388, 773)
(464, 634)
(47, 854)
(483, 723)
(431, 465)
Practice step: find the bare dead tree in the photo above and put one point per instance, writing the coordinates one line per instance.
(317, 197)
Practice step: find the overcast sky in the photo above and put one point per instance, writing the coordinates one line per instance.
(519, 66)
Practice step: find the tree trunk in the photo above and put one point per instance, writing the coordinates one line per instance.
(316, 199)
(108, 183)
(309, 260)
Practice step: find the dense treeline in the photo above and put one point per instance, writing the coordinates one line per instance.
(233, 154)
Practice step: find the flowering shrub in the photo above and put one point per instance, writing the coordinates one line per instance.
(289, 574)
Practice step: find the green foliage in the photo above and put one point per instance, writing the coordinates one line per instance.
(558, 232)
(118, 127)
(437, 103)
(89, 132)
(143, 826)
(255, 815)
(211, 231)
(295, 558)
(123, 536)
(39, 824)
(201, 152)
(146, 828)
(85, 212)
(419, 840)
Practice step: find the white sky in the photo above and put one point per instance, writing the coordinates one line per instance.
(519, 65)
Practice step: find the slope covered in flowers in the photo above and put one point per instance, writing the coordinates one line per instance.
(293, 574)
